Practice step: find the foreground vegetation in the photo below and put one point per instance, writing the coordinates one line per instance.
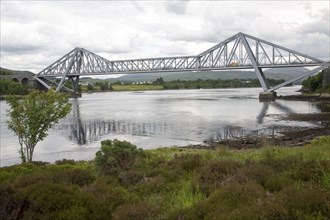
(124, 182)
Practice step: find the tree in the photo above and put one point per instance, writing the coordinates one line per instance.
(32, 116)
(90, 86)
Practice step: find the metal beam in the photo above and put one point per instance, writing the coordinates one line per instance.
(296, 78)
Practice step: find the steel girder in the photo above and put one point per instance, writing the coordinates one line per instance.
(240, 51)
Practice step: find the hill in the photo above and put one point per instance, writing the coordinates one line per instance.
(279, 73)
(4, 71)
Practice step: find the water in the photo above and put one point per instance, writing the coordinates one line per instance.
(153, 119)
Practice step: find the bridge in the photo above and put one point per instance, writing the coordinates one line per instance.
(21, 78)
(241, 51)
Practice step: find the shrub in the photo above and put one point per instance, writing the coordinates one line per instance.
(311, 170)
(116, 155)
(108, 196)
(214, 173)
(284, 164)
(277, 182)
(46, 200)
(131, 177)
(257, 172)
(186, 162)
(76, 176)
(139, 211)
(307, 201)
(65, 161)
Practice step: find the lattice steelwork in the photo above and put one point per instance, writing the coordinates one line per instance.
(240, 51)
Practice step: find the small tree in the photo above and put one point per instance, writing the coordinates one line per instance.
(32, 116)
(117, 155)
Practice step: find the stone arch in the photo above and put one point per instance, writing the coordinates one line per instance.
(25, 81)
(14, 80)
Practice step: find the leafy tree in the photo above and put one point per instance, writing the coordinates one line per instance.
(90, 86)
(32, 116)
(159, 81)
(103, 85)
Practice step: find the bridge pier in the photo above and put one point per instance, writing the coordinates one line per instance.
(266, 96)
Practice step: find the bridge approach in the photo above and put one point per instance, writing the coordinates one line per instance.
(241, 51)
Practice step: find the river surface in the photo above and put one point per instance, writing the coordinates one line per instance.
(152, 119)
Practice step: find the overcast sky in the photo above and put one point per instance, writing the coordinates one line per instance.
(34, 34)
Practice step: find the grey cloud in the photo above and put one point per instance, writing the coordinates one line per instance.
(319, 25)
(176, 7)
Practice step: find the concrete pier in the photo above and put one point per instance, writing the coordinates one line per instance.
(267, 96)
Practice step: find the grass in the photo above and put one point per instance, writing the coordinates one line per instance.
(177, 183)
(136, 87)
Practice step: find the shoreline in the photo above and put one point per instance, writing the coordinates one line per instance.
(291, 137)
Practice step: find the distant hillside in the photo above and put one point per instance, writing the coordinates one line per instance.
(4, 71)
(278, 73)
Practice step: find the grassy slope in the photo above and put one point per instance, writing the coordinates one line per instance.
(176, 183)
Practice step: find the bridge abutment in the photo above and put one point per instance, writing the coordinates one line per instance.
(267, 96)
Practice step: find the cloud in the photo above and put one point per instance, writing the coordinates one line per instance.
(177, 7)
(36, 33)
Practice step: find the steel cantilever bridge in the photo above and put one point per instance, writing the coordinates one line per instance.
(241, 51)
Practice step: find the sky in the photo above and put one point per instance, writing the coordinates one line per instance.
(35, 34)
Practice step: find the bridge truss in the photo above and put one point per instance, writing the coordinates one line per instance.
(240, 51)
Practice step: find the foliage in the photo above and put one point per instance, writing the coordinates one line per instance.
(116, 155)
(219, 83)
(313, 83)
(32, 116)
(175, 183)
(8, 87)
(159, 81)
(90, 86)
(120, 87)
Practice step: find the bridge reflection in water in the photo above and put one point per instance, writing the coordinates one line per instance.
(84, 132)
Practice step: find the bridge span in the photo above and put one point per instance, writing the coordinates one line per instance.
(241, 51)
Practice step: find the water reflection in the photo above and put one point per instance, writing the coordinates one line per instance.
(87, 131)
(84, 132)
(283, 108)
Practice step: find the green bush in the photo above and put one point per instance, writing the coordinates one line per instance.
(116, 155)
(187, 162)
(65, 161)
(305, 201)
(138, 211)
(257, 172)
(47, 199)
(214, 173)
(75, 176)
(131, 177)
(311, 170)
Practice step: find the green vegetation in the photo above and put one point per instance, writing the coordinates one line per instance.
(313, 84)
(209, 84)
(32, 116)
(118, 87)
(6, 71)
(160, 84)
(173, 183)
(8, 87)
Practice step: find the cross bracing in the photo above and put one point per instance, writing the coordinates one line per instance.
(240, 51)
